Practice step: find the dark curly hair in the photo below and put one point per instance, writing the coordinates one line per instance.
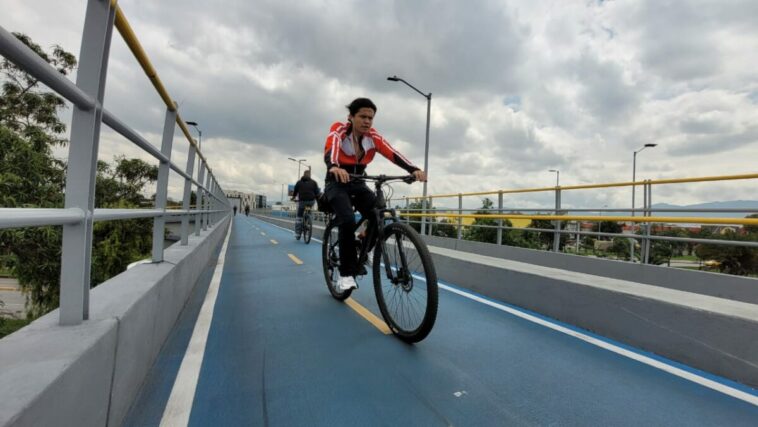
(359, 103)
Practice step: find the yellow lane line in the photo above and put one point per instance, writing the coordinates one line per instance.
(274, 242)
(295, 259)
(2, 288)
(366, 314)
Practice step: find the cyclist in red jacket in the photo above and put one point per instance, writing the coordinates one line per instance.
(350, 147)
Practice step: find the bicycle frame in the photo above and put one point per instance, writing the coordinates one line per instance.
(375, 232)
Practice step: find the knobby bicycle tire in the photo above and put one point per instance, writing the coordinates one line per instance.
(330, 261)
(396, 301)
(307, 229)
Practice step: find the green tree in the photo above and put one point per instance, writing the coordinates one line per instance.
(30, 176)
(661, 251)
(415, 221)
(740, 260)
(545, 239)
(620, 248)
(607, 227)
(446, 228)
(489, 235)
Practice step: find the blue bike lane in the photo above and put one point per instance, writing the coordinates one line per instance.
(281, 351)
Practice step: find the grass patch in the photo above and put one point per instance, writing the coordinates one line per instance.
(8, 326)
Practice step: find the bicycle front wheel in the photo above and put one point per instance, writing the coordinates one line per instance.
(307, 229)
(330, 258)
(405, 283)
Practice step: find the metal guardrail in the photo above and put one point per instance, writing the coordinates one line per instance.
(79, 213)
(561, 214)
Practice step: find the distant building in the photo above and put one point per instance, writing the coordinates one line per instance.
(240, 199)
(260, 201)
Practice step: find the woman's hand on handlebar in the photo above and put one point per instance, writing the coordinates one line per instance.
(419, 175)
(340, 174)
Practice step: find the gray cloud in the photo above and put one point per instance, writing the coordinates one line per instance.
(518, 87)
(604, 93)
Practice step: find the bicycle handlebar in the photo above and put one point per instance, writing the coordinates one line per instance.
(408, 179)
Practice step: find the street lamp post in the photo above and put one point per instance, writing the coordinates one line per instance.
(299, 162)
(557, 177)
(634, 192)
(199, 132)
(426, 146)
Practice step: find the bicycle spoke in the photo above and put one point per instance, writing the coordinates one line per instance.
(406, 306)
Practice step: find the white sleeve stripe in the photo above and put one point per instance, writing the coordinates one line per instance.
(335, 152)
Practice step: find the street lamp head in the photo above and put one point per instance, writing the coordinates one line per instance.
(290, 158)
(650, 145)
(393, 79)
(191, 123)
(553, 170)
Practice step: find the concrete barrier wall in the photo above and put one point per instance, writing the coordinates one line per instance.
(88, 375)
(731, 287)
(714, 284)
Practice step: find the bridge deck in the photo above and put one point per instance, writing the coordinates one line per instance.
(281, 351)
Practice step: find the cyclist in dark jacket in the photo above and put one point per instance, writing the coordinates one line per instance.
(306, 190)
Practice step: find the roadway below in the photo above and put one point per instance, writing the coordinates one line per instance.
(280, 351)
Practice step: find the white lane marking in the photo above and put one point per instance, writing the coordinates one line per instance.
(179, 406)
(681, 373)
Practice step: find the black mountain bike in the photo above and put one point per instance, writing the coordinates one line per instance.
(405, 282)
(306, 227)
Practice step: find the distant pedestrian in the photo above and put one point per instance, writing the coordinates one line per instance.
(235, 210)
(247, 210)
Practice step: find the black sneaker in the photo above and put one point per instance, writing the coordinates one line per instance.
(362, 271)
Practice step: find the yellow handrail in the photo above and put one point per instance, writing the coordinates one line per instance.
(139, 53)
(589, 186)
(638, 219)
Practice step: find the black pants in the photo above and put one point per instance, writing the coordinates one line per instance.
(342, 198)
(300, 212)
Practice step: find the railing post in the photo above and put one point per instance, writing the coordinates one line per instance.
(500, 221)
(199, 197)
(429, 220)
(159, 223)
(407, 206)
(212, 202)
(209, 205)
(216, 203)
(557, 234)
(76, 258)
(187, 194)
(648, 205)
(206, 201)
(423, 218)
(460, 212)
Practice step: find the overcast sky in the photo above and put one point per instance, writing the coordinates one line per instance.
(518, 88)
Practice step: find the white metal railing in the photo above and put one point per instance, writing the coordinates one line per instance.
(79, 213)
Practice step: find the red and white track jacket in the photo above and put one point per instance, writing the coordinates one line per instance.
(339, 151)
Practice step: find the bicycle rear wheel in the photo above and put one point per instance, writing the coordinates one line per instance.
(330, 258)
(307, 229)
(405, 283)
